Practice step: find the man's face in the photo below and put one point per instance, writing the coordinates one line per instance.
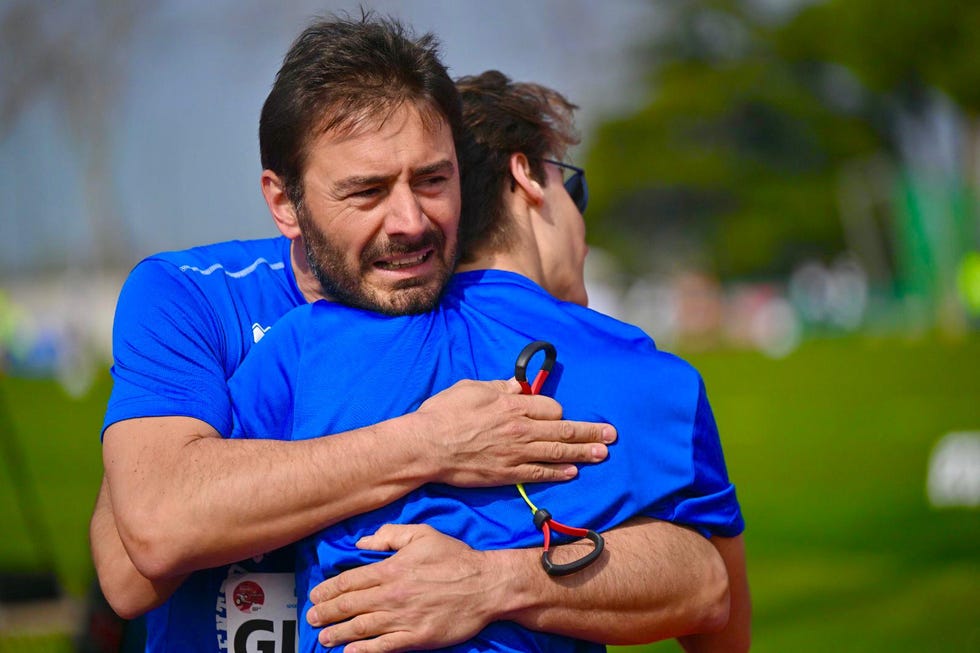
(564, 258)
(381, 212)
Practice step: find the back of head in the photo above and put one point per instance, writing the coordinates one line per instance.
(501, 118)
(342, 72)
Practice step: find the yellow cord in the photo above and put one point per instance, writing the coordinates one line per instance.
(520, 488)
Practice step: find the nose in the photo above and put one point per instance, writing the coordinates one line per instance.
(405, 216)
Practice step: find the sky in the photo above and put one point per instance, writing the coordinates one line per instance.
(160, 150)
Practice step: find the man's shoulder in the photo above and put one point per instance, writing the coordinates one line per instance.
(248, 281)
(234, 258)
(635, 348)
(626, 350)
(501, 289)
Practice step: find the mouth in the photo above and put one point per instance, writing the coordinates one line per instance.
(406, 261)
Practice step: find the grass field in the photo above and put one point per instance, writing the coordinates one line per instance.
(828, 448)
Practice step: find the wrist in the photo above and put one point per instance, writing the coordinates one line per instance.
(515, 595)
(425, 454)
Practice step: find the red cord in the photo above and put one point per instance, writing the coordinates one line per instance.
(535, 387)
(547, 535)
(568, 530)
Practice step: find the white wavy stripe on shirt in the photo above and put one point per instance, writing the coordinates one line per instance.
(244, 272)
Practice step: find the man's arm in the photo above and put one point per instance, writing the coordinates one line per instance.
(737, 634)
(185, 498)
(658, 581)
(655, 581)
(129, 593)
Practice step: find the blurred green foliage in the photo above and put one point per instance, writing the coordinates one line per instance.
(733, 160)
(35, 644)
(828, 448)
(896, 48)
(58, 438)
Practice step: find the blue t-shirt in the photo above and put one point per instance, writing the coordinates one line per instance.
(667, 462)
(184, 322)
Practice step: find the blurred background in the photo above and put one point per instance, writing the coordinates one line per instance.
(784, 192)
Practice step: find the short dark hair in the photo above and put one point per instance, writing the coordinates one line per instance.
(501, 118)
(340, 72)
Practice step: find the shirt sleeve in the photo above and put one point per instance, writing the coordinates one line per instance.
(263, 388)
(168, 351)
(709, 504)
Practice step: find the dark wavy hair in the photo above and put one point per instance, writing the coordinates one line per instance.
(340, 72)
(501, 118)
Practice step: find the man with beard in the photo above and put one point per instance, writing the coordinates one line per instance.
(523, 251)
(357, 139)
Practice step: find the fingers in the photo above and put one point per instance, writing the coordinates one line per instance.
(392, 537)
(546, 414)
(331, 607)
(543, 473)
(352, 580)
(484, 433)
(510, 386)
(555, 448)
(570, 433)
(477, 398)
(391, 643)
(538, 407)
(386, 643)
(361, 626)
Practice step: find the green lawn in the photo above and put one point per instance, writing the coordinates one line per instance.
(828, 448)
(59, 439)
(829, 451)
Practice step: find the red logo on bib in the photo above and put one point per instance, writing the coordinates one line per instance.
(249, 596)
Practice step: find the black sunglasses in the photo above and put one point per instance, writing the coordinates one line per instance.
(575, 185)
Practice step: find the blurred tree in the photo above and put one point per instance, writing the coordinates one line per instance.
(920, 61)
(76, 55)
(734, 161)
(896, 48)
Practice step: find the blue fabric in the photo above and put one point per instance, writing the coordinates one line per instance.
(667, 462)
(184, 322)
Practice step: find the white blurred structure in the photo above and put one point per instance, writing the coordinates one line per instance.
(954, 471)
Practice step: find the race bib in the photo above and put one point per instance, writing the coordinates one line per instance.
(257, 613)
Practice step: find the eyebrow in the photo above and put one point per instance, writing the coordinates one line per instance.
(349, 184)
(445, 166)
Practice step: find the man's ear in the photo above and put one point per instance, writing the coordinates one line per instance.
(280, 206)
(524, 182)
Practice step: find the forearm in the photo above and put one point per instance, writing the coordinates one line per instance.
(736, 636)
(655, 581)
(212, 501)
(186, 499)
(129, 593)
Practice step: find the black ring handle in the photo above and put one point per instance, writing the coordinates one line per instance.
(555, 569)
(550, 355)
(542, 516)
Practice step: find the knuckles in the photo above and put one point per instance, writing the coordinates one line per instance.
(344, 607)
(537, 474)
(556, 452)
(343, 584)
(359, 628)
(566, 431)
(517, 429)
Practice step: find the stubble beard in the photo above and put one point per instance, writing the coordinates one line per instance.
(345, 285)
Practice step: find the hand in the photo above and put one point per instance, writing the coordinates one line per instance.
(434, 591)
(486, 433)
